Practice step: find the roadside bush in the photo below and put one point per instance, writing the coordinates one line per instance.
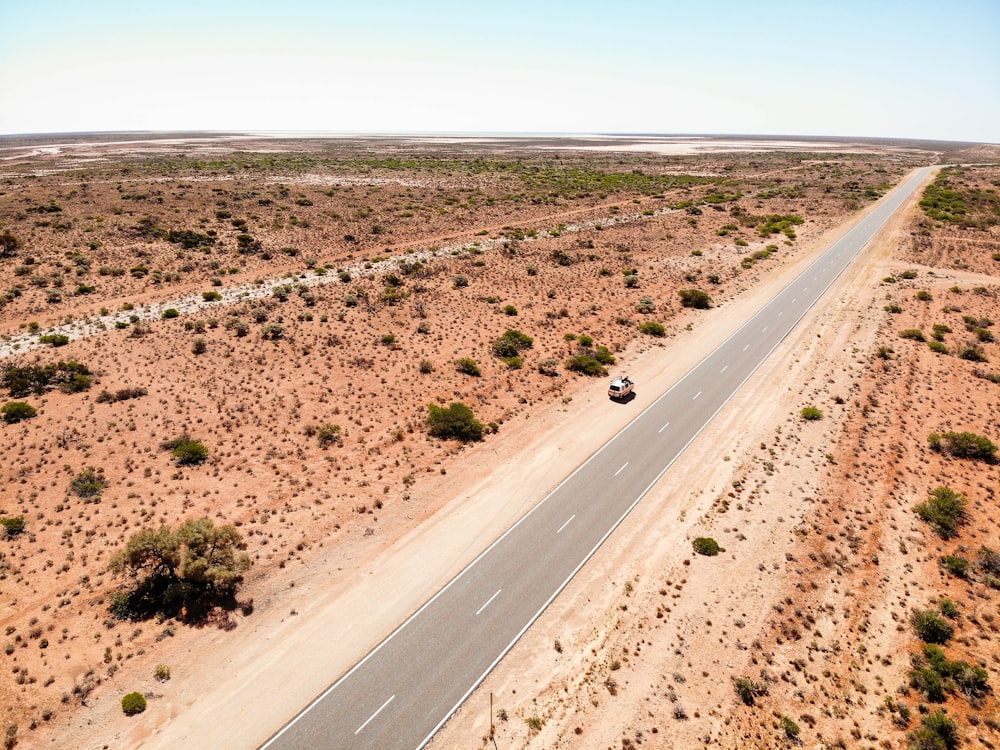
(133, 703)
(457, 422)
(707, 546)
(811, 413)
(963, 445)
(695, 298)
(931, 627)
(17, 411)
(585, 364)
(183, 573)
(652, 328)
(945, 511)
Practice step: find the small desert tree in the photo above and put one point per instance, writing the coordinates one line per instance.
(944, 510)
(186, 571)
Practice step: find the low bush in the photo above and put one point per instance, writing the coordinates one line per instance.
(467, 366)
(186, 451)
(88, 483)
(170, 312)
(811, 413)
(133, 703)
(652, 328)
(914, 334)
(931, 627)
(54, 339)
(956, 565)
(13, 525)
(695, 298)
(707, 546)
(944, 510)
(963, 445)
(937, 347)
(457, 422)
(17, 411)
(511, 344)
(972, 353)
(748, 691)
(585, 364)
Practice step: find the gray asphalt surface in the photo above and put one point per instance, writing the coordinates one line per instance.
(401, 693)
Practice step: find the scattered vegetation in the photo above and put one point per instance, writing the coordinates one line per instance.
(964, 445)
(707, 546)
(944, 510)
(186, 451)
(695, 298)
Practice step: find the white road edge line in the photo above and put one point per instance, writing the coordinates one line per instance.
(368, 720)
(621, 469)
(566, 523)
(490, 600)
(665, 426)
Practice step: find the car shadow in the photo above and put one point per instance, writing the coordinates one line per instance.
(627, 398)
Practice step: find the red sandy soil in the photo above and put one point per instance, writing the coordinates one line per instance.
(648, 625)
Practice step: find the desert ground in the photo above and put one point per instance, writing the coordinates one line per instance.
(252, 293)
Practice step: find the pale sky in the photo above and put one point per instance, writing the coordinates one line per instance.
(913, 69)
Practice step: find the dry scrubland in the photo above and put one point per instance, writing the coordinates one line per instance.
(396, 262)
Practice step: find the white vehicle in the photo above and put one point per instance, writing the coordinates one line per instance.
(620, 387)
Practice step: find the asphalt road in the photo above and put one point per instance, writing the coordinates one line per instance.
(401, 693)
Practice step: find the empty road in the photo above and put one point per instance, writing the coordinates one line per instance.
(407, 687)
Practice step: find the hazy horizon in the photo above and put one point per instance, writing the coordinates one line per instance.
(899, 70)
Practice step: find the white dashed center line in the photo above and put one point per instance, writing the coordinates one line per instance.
(368, 720)
(621, 469)
(485, 605)
(567, 523)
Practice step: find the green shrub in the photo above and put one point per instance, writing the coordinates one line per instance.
(963, 445)
(790, 729)
(936, 732)
(912, 333)
(161, 672)
(956, 565)
(707, 546)
(695, 298)
(652, 328)
(931, 627)
(88, 483)
(467, 366)
(940, 329)
(972, 353)
(457, 422)
(460, 281)
(170, 312)
(426, 367)
(924, 296)
(748, 691)
(585, 364)
(509, 310)
(186, 451)
(54, 339)
(937, 347)
(69, 377)
(893, 308)
(811, 413)
(13, 525)
(328, 434)
(511, 344)
(211, 296)
(17, 411)
(514, 363)
(945, 511)
(133, 703)
(645, 306)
